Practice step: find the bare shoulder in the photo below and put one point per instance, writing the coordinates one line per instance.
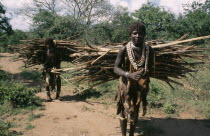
(121, 52)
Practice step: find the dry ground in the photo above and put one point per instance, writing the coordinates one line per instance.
(75, 117)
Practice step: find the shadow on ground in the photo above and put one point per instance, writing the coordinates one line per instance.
(91, 93)
(173, 127)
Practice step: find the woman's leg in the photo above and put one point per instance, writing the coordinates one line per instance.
(135, 117)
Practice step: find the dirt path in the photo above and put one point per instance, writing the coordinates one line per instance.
(7, 63)
(74, 117)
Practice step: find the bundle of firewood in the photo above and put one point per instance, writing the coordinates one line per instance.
(32, 51)
(172, 61)
(95, 63)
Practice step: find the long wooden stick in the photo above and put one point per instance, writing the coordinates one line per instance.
(70, 84)
(183, 41)
(99, 57)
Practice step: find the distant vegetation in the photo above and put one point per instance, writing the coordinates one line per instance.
(105, 23)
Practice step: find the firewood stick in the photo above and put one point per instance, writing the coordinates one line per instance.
(99, 57)
(183, 41)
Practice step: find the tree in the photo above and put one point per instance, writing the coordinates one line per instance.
(5, 27)
(33, 8)
(90, 11)
(197, 18)
(114, 30)
(158, 21)
(42, 21)
(46, 24)
(120, 25)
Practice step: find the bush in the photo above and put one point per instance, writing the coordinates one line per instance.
(169, 108)
(18, 95)
(31, 75)
(4, 75)
(156, 96)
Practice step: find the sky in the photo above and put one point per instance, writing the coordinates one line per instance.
(23, 23)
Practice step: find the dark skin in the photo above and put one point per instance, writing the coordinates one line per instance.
(48, 65)
(49, 48)
(138, 39)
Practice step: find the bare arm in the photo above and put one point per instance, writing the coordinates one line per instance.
(119, 61)
(118, 66)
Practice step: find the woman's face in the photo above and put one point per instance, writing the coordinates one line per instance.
(137, 37)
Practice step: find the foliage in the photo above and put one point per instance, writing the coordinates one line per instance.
(156, 96)
(98, 34)
(18, 95)
(157, 20)
(195, 20)
(16, 37)
(169, 108)
(13, 98)
(31, 75)
(4, 129)
(46, 24)
(89, 11)
(12, 39)
(5, 27)
(122, 19)
(42, 21)
(4, 75)
(116, 30)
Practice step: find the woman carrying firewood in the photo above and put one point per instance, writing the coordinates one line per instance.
(133, 64)
(51, 60)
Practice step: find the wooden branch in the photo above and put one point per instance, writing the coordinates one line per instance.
(183, 41)
(99, 57)
(183, 37)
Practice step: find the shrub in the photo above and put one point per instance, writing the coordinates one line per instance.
(155, 96)
(31, 75)
(4, 75)
(18, 95)
(169, 108)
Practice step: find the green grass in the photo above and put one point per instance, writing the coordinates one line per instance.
(34, 116)
(29, 126)
(4, 129)
(31, 75)
(162, 97)
(178, 100)
(8, 110)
